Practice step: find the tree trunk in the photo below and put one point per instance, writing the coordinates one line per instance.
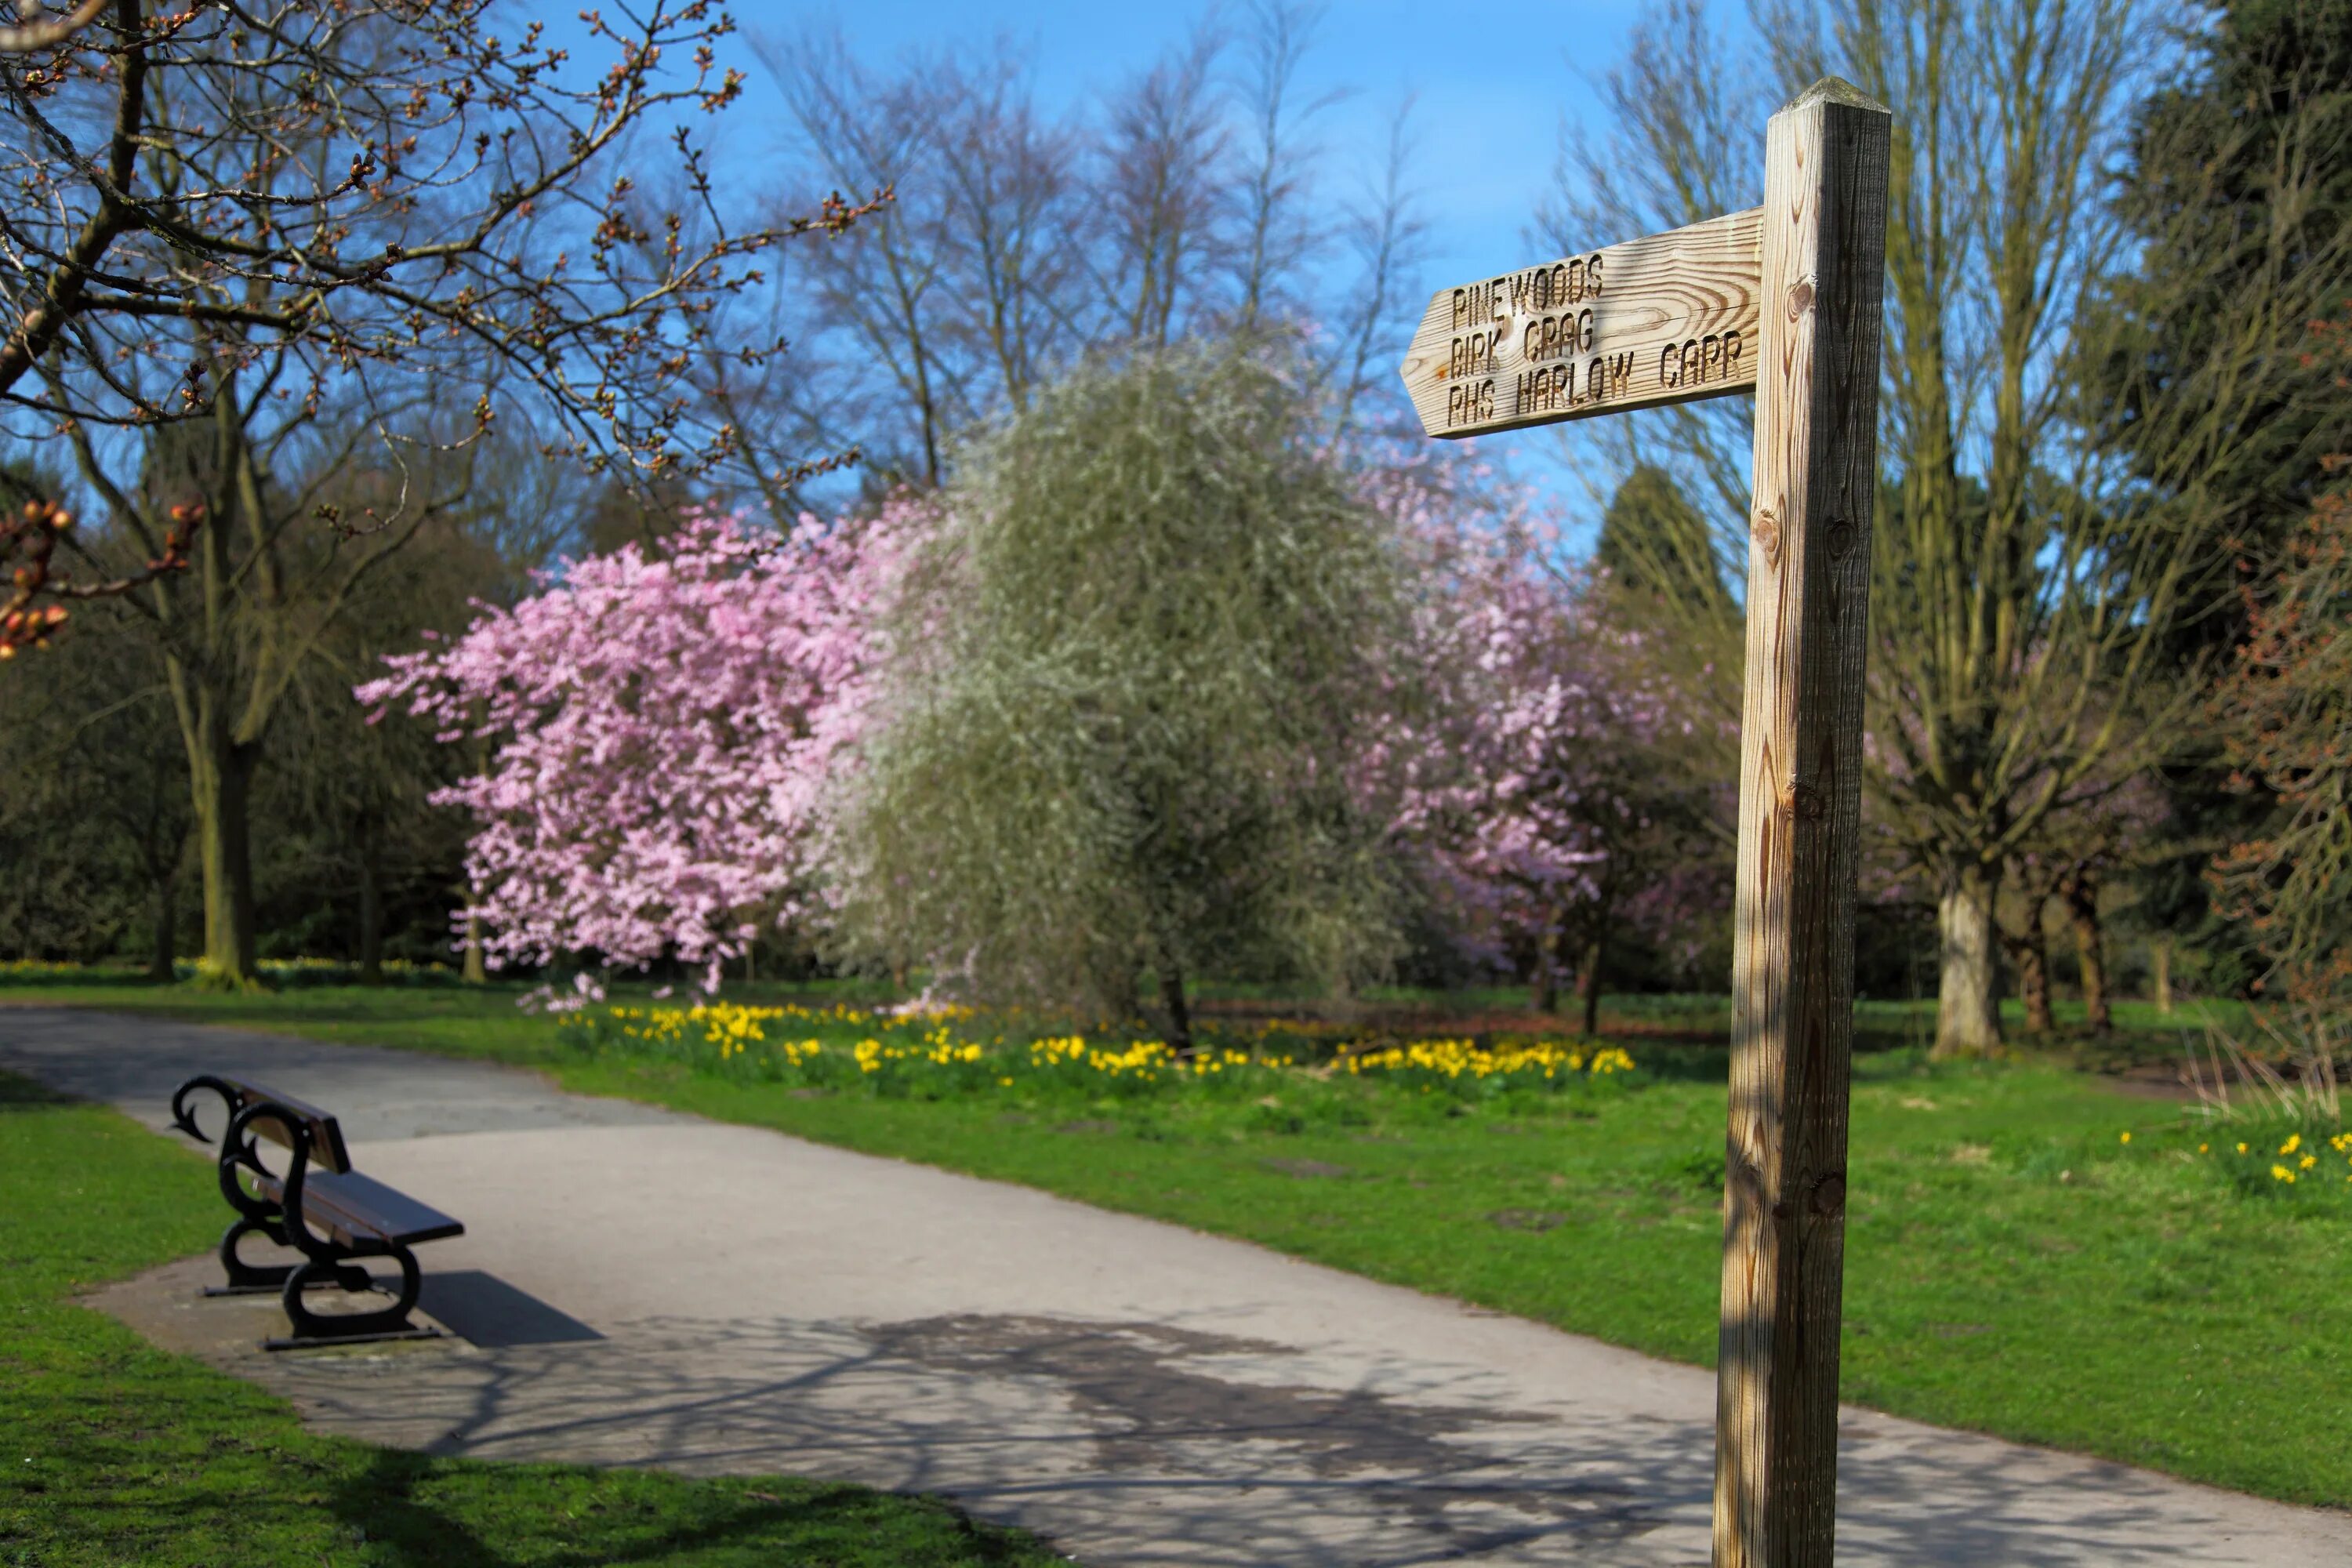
(2082, 895)
(1173, 1002)
(1548, 951)
(1968, 1001)
(2160, 958)
(1591, 984)
(2030, 951)
(2034, 985)
(1123, 999)
(371, 910)
(220, 773)
(477, 970)
(162, 956)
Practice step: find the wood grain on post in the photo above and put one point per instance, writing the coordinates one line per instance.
(1800, 820)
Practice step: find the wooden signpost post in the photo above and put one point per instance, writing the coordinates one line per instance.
(1784, 300)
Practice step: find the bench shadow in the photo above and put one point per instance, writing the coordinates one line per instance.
(485, 1310)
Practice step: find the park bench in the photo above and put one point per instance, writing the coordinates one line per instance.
(318, 1206)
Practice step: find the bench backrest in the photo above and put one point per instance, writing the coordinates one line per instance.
(327, 1150)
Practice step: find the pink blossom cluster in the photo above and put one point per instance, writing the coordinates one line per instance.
(1528, 790)
(657, 726)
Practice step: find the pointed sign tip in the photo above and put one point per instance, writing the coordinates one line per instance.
(1835, 90)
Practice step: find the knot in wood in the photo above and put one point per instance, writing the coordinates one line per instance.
(1841, 540)
(1800, 297)
(1805, 802)
(1829, 1195)
(1767, 532)
(1744, 1179)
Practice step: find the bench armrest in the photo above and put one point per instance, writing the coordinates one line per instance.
(184, 1115)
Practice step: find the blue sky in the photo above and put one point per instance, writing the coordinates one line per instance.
(1491, 92)
(1489, 95)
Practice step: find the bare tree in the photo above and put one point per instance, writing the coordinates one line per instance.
(879, 295)
(1181, 204)
(1668, 159)
(1012, 203)
(1277, 235)
(358, 791)
(1163, 187)
(2010, 642)
(2024, 590)
(256, 249)
(94, 817)
(1389, 237)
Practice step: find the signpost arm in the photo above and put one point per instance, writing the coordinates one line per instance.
(1800, 818)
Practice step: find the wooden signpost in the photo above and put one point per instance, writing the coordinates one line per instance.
(1784, 300)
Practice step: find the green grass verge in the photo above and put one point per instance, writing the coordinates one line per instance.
(114, 1452)
(2012, 1265)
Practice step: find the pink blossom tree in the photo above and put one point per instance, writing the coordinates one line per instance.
(1548, 788)
(660, 724)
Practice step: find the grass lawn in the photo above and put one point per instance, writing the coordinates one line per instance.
(2013, 1265)
(113, 1452)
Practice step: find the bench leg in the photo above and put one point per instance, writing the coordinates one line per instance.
(249, 1278)
(346, 1328)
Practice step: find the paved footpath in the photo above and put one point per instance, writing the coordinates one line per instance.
(641, 1287)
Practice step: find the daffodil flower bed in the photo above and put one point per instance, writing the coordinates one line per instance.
(956, 1053)
(38, 969)
(2273, 1160)
(2279, 1162)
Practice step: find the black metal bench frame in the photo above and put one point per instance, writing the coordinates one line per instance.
(285, 1207)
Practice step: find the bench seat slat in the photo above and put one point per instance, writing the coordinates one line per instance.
(354, 1209)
